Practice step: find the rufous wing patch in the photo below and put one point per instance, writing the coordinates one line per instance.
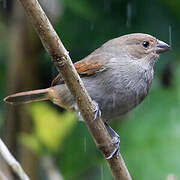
(88, 66)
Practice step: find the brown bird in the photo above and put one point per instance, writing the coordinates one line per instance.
(117, 76)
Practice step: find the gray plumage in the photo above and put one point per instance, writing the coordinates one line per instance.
(118, 76)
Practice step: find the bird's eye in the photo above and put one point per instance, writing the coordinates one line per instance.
(145, 44)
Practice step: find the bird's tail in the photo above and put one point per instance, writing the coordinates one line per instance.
(27, 97)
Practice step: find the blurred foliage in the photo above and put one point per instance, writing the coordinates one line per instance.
(82, 8)
(150, 138)
(50, 128)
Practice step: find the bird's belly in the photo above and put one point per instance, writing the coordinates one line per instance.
(118, 103)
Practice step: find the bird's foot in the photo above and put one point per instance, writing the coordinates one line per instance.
(80, 117)
(97, 111)
(115, 140)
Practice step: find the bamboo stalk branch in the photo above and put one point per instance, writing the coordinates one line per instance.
(61, 59)
(12, 161)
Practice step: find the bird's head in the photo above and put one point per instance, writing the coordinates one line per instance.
(138, 46)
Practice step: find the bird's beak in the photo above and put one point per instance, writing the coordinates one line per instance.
(161, 47)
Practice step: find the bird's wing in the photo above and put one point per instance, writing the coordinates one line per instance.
(88, 66)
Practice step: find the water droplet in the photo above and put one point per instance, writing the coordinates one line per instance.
(92, 27)
(102, 172)
(170, 35)
(107, 5)
(4, 4)
(114, 99)
(129, 14)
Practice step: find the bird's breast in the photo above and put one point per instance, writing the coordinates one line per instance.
(118, 96)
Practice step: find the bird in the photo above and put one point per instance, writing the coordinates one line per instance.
(117, 76)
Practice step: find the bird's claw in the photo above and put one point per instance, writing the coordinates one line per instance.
(97, 111)
(115, 141)
(80, 117)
